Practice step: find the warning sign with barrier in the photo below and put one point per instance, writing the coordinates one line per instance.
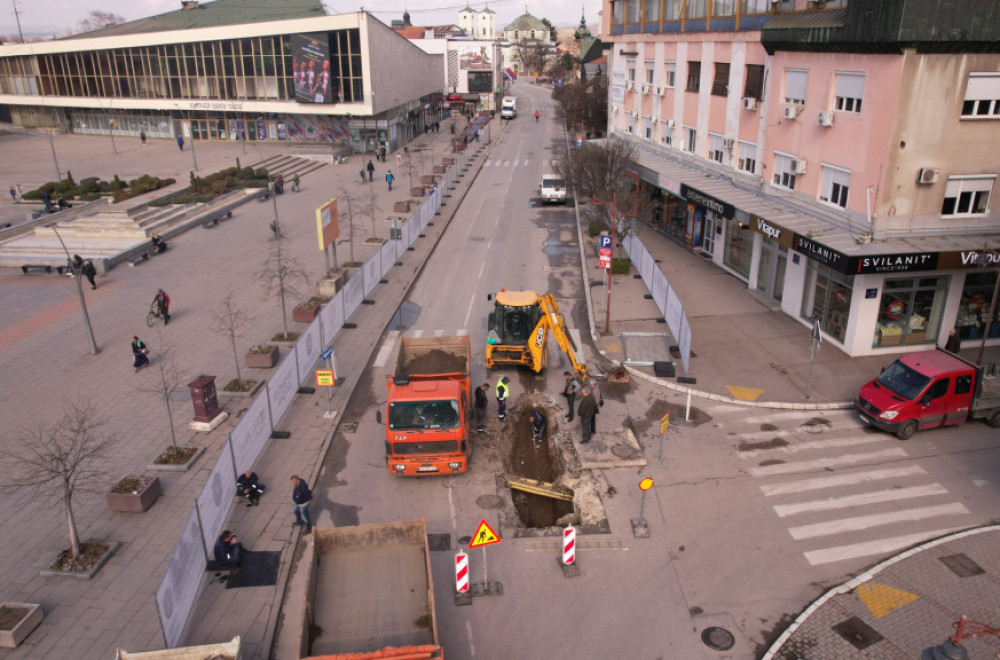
(484, 536)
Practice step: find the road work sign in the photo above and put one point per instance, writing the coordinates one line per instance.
(664, 423)
(324, 378)
(484, 536)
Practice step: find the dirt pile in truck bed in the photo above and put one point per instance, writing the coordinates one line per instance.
(434, 361)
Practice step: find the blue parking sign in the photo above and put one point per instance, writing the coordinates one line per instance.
(605, 241)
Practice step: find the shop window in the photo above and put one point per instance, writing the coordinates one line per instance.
(968, 195)
(827, 298)
(694, 77)
(974, 308)
(849, 89)
(910, 311)
(739, 247)
(982, 96)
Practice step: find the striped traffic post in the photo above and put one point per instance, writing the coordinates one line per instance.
(461, 572)
(569, 546)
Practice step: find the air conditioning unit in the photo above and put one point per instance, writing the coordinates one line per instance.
(645, 89)
(825, 118)
(799, 166)
(749, 103)
(669, 123)
(634, 113)
(791, 111)
(727, 143)
(926, 175)
(659, 91)
(655, 120)
(629, 86)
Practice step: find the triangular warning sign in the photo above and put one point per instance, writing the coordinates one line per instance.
(484, 535)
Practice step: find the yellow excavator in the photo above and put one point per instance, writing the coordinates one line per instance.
(519, 329)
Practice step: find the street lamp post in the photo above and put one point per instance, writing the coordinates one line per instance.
(194, 158)
(79, 289)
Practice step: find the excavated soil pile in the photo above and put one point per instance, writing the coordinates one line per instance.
(434, 362)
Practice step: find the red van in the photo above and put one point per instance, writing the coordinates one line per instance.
(928, 389)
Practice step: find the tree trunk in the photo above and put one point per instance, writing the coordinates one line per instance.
(170, 418)
(284, 314)
(236, 357)
(74, 536)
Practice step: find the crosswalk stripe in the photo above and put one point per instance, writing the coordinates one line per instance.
(809, 445)
(781, 416)
(868, 548)
(415, 333)
(824, 463)
(819, 483)
(860, 499)
(865, 522)
(383, 354)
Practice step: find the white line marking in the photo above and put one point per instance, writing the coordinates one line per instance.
(482, 267)
(861, 499)
(462, 332)
(415, 333)
(814, 444)
(819, 483)
(383, 353)
(823, 463)
(468, 633)
(454, 518)
(859, 523)
(439, 333)
(879, 547)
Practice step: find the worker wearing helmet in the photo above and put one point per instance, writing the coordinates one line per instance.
(503, 391)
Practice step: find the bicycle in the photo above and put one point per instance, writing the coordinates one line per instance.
(154, 314)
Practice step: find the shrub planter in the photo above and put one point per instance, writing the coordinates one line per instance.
(427, 179)
(95, 555)
(334, 281)
(439, 169)
(401, 207)
(262, 357)
(448, 161)
(417, 191)
(305, 314)
(17, 620)
(133, 494)
(176, 465)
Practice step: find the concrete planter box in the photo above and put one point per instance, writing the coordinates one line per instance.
(113, 547)
(165, 467)
(417, 191)
(307, 315)
(448, 161)
(440, 169)
(401, 207)
(262, 360)
(12, 634)
(135, 502)
(330, 285)
(459, 146)
(427, 179)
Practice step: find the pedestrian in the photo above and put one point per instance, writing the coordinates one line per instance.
(363, 177)
(13, 195)
(139, 353)
(20, 193)
(536, 116)
(399, 160)
(569, 391)
(389, 178)
(954, 343)
(295, 182)
(481, 403)
(371, 171)
(180, 142)
(476, 135)
(381, 152)
(588, 408)
(248, 486)
(452, 126)
(595, 389)
(162, 302)
(503, 391)
(47, 200)
(301, 496)
(142, 137)
(538, 424)
(228, 550)
(89, 272)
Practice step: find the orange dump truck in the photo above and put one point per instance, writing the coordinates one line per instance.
(427, 411)
(369, 594)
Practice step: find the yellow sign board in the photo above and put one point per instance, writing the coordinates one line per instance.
(484, 535)
(664, 423)
(646, 484)
(324, 378)
(327, 223)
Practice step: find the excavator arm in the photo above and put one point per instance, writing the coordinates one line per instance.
(557, 326)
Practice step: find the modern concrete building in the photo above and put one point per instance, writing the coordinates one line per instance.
(230, 70)
(839, 156)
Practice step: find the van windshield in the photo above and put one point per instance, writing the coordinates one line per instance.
(904, 381)
(553, 183)
(423, 415)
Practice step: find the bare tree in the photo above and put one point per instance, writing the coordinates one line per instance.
(61, 459)
(230, 321)
(533, 54)
(372, 208)
(585, 103)
(280, 274)
(97, 19)
(351, 211)
(165, 379)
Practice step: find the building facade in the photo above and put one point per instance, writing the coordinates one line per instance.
(793, 143)
(346, 79)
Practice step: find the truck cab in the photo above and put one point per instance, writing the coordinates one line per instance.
(508, 107)
(552, 189)
(926, 390)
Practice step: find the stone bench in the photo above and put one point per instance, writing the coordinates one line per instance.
(26, 267)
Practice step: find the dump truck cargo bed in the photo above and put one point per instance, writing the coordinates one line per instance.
(423, 356)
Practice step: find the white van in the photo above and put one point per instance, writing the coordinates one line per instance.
(553, 189)
(508, 108)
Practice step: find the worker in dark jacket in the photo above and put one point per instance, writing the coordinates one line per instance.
(481, 404)
(228, 550)
(538, 424)
(586, 412)
(248, 486)
(301, 495)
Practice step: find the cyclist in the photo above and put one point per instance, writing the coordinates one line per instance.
(536, 115)
(162, 303)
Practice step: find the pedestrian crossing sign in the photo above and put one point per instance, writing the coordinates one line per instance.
(484, 535)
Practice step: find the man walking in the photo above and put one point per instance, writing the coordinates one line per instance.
(301, 496)
(389, 178)
(90, 272)
(481, 403)
(371, 170)
(570, 393)
(180, 142)
(503, 391)
(588, 408)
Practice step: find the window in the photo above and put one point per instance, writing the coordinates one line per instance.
(669, 74)
(694, 76)
(784, 171)
(672, 9)
(618, 12)
(667, 136)
(748, 157)
(649, 73)
(720, 84)
(982, 95)
(690, 139)
(754, 87)
(835, 186)
(631, 71)
(827, 298)
(967, 195)
(724, 7)
(963, 384)
(647, 128)
(632, 10)
(697, 8)
(716, 151)
(910, 310)
(651, 12)
(795, 86)
(849, 88)
(755, 7)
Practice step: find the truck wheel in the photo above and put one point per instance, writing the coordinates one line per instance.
(994, 419)
(906, 431)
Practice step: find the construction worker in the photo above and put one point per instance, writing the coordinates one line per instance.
(538, 423)
(503, 391)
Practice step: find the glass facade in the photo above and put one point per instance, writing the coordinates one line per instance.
(910, 311)
(977, 293)
(827, 298)
(739, 247)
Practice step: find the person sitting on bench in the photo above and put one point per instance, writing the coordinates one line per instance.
(228, 550)
(159, 245)
(247, 486)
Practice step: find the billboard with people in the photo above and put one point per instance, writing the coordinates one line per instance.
(311, 68)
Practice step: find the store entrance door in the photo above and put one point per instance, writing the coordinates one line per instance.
(771, 270)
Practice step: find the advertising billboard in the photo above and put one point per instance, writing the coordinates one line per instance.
(311, 68)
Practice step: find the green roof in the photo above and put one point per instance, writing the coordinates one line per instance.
(526, 22)
(214, 14)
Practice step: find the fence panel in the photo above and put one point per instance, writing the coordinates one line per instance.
(281, 387)
(387, 258)
(333, 318)
(660, 289)
(371, 271)
(178, 589)
(309, 347)
(684, 343)
(251, 434)
(353, 295)
(216, 497)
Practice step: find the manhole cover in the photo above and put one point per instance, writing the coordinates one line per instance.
(349, 427)
(488, 502)
(439, 542)
(858, 633)
(717, 638)
(961, 565)
(624, 451)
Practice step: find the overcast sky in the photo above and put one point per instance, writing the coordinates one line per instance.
(57, 16)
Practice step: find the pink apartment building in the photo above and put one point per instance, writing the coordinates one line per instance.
(839, 156)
